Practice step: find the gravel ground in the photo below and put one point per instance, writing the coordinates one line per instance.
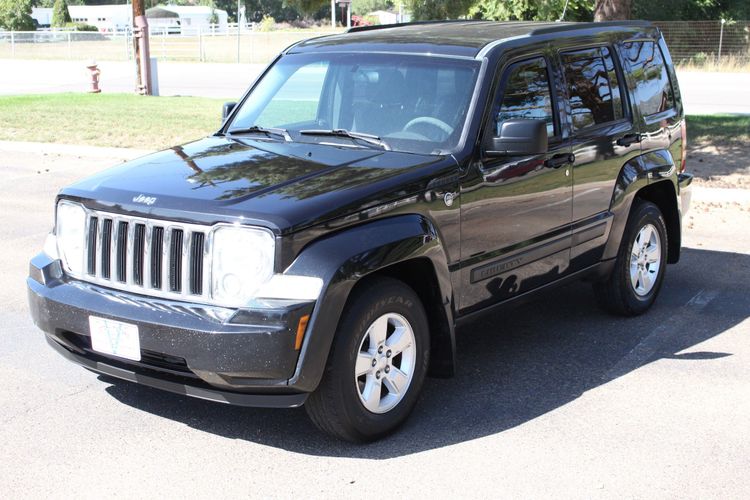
(722, 165)
(554, 399)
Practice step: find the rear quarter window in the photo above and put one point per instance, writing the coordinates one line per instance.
(653, 90)
(593, 87)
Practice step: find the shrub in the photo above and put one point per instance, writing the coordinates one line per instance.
(267, 24)
(85, 27)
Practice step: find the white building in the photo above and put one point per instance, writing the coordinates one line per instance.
(186, 18)
(387, 17)
(42, 16)
(107, 18)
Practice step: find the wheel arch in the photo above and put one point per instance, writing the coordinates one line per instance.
(402, 247)
(651, 177)
(663, 195)
(419, 274)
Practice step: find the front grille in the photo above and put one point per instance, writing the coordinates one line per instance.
(148, 256)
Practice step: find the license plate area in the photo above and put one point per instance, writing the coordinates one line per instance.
(115, 338)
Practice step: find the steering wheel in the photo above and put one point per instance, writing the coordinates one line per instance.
(429, 120)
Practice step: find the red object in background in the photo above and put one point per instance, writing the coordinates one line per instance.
(95, 72)
(360, 21)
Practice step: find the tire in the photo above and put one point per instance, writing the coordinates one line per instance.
(636, 279)
(351, 407)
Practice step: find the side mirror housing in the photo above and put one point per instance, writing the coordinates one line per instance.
(518, 137)
(227, 110)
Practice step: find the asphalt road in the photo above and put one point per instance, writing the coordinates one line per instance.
(554, 399)
(702, 92)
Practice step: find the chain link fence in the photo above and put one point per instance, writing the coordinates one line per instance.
(245, 47)
(692, 43)
(699, 43)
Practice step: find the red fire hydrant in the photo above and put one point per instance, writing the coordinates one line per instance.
(94, 69)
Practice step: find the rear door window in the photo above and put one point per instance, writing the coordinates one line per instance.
(593, 87)
(653, 90)
(526, 95)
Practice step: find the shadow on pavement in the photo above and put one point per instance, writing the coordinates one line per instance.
(513, 366)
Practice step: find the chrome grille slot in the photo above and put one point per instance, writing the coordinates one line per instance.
(138, 250)
(175, 261)
(91, 258)
(121, 252)
(157, 240)
(106, 240)
(147, 256)
(196, 262)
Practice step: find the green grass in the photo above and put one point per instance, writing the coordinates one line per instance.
(132, 121)
(718, 129)
(120, 120)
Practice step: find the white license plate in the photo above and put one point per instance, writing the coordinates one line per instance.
(115, 338)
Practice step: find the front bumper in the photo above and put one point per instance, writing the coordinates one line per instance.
(244, 357)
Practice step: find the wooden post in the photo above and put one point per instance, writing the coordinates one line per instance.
(142, 53)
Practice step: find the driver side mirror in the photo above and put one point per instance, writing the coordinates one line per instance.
(227, 110)
(518, 137)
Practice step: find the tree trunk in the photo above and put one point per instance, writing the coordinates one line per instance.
(612, 10)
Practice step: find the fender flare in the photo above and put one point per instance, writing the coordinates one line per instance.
(636, 174)
(342, 259)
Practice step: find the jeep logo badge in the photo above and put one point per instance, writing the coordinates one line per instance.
(448, 199)
(146, 200)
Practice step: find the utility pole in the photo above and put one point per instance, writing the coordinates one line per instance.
(333, 14)
(142, 53)
(239, 35)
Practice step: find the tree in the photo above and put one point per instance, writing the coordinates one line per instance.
(15, 15)
(306, 7)
(612, 10)
(256, 10)
(60, 14)
(432, 10)
(531, 10)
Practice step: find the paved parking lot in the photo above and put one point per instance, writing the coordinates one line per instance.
(551, 399)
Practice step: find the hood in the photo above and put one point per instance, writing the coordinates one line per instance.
(282, 185)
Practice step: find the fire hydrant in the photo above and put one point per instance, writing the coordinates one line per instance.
(94, 69)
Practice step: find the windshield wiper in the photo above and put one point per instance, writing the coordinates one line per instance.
(340, 132)
(255, 129)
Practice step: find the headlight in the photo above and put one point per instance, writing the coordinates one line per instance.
(242, 261)
(70, 230)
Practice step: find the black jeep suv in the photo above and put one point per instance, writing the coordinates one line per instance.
(370, 193)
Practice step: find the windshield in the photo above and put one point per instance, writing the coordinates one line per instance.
(411, 103)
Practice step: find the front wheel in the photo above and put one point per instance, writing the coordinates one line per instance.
(377, 365)
(632, 287)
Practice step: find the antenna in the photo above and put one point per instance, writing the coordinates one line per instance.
(565, 8)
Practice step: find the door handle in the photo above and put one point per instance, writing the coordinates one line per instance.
(628, 139)
(558, 161)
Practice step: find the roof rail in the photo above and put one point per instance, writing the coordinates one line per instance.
(355, 29)
(566, 26)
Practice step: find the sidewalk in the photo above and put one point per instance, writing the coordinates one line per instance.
(21, 76)
(702, 92)
(95, 152)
